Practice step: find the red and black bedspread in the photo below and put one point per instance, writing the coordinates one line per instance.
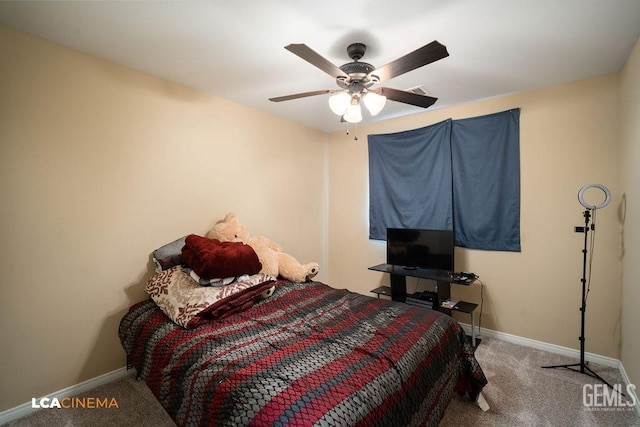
(308, 355)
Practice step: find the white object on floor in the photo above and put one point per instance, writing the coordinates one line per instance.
(482, 402)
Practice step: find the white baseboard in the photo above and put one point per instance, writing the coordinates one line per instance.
(552, 348)
(26, 409)
(626, 379)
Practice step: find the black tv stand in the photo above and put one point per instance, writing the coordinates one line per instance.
(398, 290)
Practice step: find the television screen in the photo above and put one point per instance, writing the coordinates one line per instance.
(415, 248)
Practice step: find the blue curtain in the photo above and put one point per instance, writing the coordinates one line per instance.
(410, 180)
(457, 174)
(486, 181)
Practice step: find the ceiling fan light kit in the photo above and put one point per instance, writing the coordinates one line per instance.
(356, 79)
(348, 106)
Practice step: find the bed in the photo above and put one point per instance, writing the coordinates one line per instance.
(299, 354)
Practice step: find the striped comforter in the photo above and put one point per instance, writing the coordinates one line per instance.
(309, 355)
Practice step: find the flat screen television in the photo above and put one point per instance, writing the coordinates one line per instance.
(417, 248)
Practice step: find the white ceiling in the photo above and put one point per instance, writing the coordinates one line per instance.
(235, 48)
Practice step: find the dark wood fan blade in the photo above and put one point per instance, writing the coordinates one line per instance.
(302, 95)
(314, 58)
(427, 54)
(405, 97)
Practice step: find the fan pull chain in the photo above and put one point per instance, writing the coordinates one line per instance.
(355, 136)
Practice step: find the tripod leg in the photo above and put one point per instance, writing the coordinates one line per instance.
(561, 366)
(584, 369)
(598, 377)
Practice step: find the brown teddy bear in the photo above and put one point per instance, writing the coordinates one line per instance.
(274, 260)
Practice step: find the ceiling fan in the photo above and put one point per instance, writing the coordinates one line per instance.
(356, 79)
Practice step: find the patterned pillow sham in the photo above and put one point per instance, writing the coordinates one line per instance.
(188, 304)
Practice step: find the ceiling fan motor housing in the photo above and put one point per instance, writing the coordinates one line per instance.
(357, 71)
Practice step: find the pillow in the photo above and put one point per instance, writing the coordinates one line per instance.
(169, 255)
(211, 258)
(188, 304)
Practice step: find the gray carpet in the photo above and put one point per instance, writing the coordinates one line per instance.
(519, 392)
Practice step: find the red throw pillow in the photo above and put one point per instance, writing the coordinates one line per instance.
(213, 259)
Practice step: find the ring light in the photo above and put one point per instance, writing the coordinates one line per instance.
(607, 196)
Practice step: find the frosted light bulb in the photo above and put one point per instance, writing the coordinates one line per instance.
(353, 113)
(374, 102)
(339, 103)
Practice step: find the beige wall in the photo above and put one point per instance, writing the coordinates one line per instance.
(570, 136)
(629, 162)
(101, 164)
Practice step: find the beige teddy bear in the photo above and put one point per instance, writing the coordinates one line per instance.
(274, 260)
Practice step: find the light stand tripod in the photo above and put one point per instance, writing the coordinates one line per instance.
(582, 367)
